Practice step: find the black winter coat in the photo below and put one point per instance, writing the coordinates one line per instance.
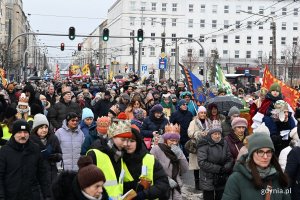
(211, 158)
(58, 112)
(66, 187)
(293, 170)
(102, 107)
(22, 172)
(51, 99)
(151, 123)
(183, 118)
(51, 152)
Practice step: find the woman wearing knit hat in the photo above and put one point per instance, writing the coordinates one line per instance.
(48, 143)
(87, 184)
(226, 125)
(87, 121)
(236, 137)
(149, 178)
(215, 162)
(139, 117)
(172, 159)
(198, 128)
(257, 175)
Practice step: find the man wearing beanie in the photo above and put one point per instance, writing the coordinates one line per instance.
(87, 121)
(183, 117)
(257, 172)
(226, 125)
(87, 184)
(59, 111)
(21, 155)
(97, 134)
(108, 156)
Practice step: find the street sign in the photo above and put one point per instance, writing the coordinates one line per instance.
(144, 67)
(162, 63)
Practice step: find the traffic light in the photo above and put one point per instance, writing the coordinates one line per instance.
(140, 35)
(71, 33)
(79, 47)
(105, 35)
(62, 46)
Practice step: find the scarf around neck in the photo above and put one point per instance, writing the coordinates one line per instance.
(173, 159)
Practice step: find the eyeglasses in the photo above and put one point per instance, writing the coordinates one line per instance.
(262, 153)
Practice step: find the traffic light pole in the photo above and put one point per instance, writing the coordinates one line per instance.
(91, 36)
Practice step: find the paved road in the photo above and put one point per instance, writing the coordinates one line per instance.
(188, 190)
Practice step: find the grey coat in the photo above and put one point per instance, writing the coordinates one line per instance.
(211, 158)
(70, 142)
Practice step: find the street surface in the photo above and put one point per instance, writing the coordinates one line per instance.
(188, 189)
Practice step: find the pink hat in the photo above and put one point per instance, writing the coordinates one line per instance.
(202, 109)
(239, 121)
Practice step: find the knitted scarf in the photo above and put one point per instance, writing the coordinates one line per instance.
(173, 159)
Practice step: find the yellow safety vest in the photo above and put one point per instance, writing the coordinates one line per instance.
(6, 133)
(29, 119)
(113, 186)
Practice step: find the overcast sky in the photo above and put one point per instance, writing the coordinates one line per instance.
(56, 16)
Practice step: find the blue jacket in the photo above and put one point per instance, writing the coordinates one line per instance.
(85, 129)
(89, 140)
(151, 124)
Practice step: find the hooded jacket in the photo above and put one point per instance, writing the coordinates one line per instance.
(151, 123)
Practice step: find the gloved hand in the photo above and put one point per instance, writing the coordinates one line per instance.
(176, 150)
(172, 183)
(55, 157)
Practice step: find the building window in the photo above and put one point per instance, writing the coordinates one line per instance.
(143, 6)
(174, 22)
(214, 8)
(283, 26)
(201, 53)
(237, 24)
(164, 7)
(261, 10)
(248, 39)
(173, 52)
(190, 52)
(272, 10)
(214, 39)
(237, 39)
(249, 25)
(295, 11)
(271, 40)
(250, 9)
(152, 51)
(153, 6)
(143, 21)
(260, 39)
(131, 34)
(153, 21)
(259, 54)
(283, 40)
(152, 36)
(190, 36)
(238, 9)
(143, 51)
(173, 37)
(248, 54)
(260, 25)
(226, 9)
(202, 23)
(201, 38)
(202, 8)
(190, 23)
(282, 57)
(226, 23)
(295, 40)
(132, 20)
(225, 53)
(132, 5)
(295, 26)
(163, 21)
(174, 7)
(191, 7)
(214, 24)
(236, 54)
(225, 38)
(283, 11)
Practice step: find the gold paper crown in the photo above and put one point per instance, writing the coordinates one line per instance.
(123, 126)
(172, 128)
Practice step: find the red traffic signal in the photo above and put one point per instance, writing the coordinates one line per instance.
(79, 47)
(62, 46)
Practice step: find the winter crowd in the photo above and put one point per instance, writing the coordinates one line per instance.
(96, 140)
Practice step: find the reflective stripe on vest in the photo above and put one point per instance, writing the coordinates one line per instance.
(113, 187)
(148, 167)
(6, 133)
(29, 119)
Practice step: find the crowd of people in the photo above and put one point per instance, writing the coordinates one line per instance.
(92, 140)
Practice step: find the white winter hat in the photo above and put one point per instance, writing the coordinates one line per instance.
(39, 119)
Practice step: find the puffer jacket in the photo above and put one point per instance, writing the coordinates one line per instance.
(240, 185)
(70, 142)
(212, 157)
(152, 123)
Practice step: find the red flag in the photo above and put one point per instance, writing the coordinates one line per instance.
(290, 95)
(57, 73)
